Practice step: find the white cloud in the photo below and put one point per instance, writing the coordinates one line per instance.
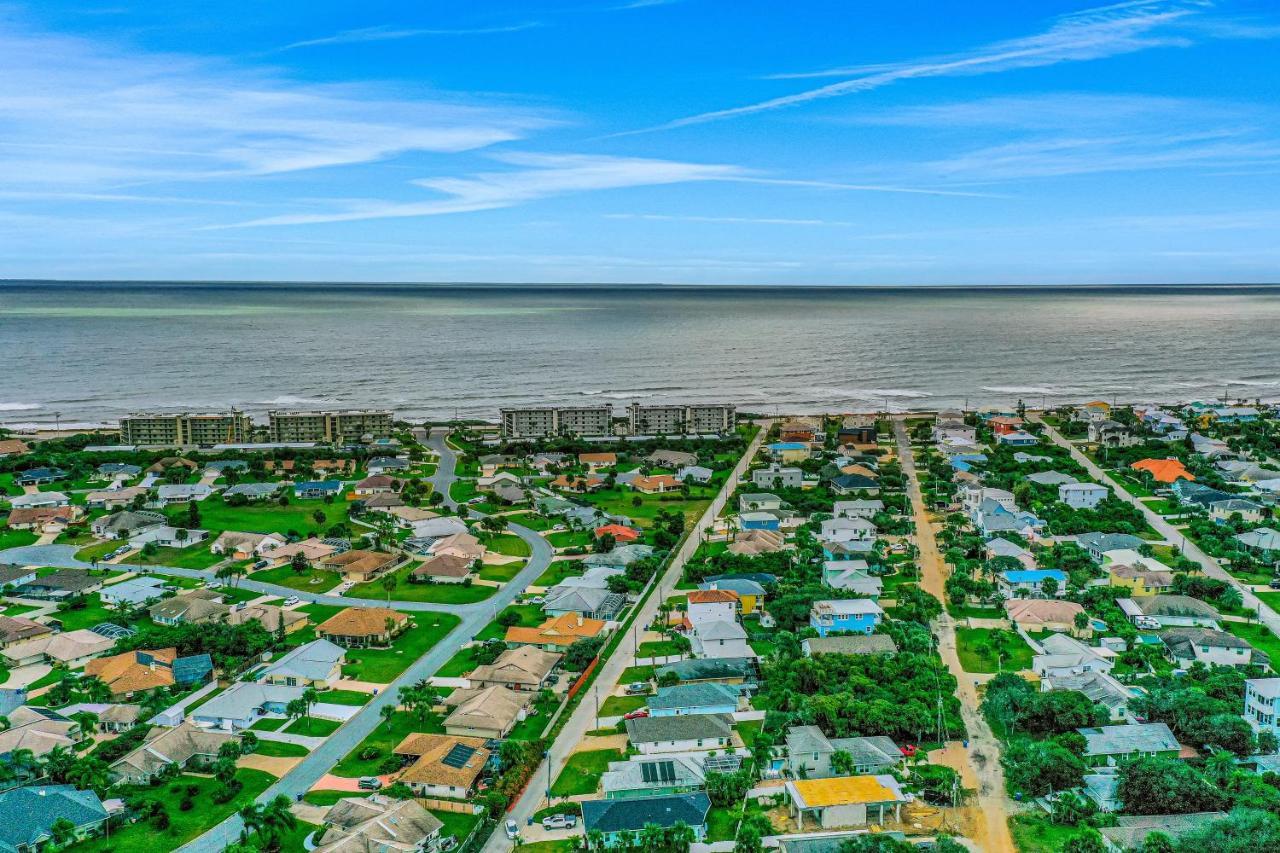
(387, 33)
(77, 114)
(1088, 35)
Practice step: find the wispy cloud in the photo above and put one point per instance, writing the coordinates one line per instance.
(148, 117)
(645, 4)
(1054, 111)
(730, 220)
(389, 33)
(1088, 35)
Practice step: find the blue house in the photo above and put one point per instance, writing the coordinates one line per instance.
(857, 549)
(35, 476)
(965, 461)
(859, 615)
(313, 489)
(1031, 580)
(759, 521)
(1017, 439)
(708, 698)
(620, 822)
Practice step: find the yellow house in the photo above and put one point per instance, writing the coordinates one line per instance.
(750, 593)
(1140, 581)
(789, 451)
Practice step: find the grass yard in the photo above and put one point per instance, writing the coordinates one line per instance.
(16, 538)
(1257, 635)
(312, 580)
(748, 729)
(143, 837)
(1035, 833)
(457, 824)
(969, 611)
(616, 706)
(530, 617)
(381, 666)
(503, 573)
(353, 698)
(216, 516)
(657, 649)
(385, 738)
(509, 545)
(558, 571)
(460, 664)
(196, 556)
(1162, 506)
(312, 727)
(581, 774)
(618, 501)
(269, 724)
(560, 845)
(93, 614)
(295, 841)
(571, 538)
(328, 798)
(278, 749)
(532, 520)
(637, 673)
(722, 823)
(973, 646)
(405, 590)
(98, 550)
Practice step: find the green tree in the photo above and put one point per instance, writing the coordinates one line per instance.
(1158, 784)
(269, 822)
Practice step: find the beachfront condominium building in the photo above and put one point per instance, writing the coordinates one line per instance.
(330, 427)
(668, 420)
(185, 428)
(563, 420)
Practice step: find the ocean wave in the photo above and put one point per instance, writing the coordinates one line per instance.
(20, 407)
(1021, 389)
(287, 400)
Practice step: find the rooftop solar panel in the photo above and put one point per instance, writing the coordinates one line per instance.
(458, 756)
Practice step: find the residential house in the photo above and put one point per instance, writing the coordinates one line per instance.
(849, 614)
(777, 476)
(768, 521)
(523, 668)
(847, 530)
(61, 584)
(1261, 539)
(642, 777)
(1138, 580)
(750, 543)
(246, 546)
(440, 527)
(1228, 509)
(377, 484)
(695, 473)
(722, 670)
(1100, 687)
(447, 766)
(619, 823)
(45, 519)
(140, 670)
(445, 568)
(593, 602)
(1051, 478)
(1030, 582)
(488, 712)
(853, 576)
(595, 461)
(851, 644)
(139, 589)
(1017, 438)
(166, 536)
(168, 494)
(13, 447)
(789, 451)
(1044, 614)
(17, 629)
(1111, 434)
(1065, 655)
(809, 754)
(1000, 547)
(1130, 831)
(462, 545)
(758, 501)
(190, 608)
(113, 498)
(39, 730)
(620, 557)
(377, 823)
(358, 565)
(364, 627)
(36, 500)
(685, 733)
(1098, 544)
(1208, 646)
(845, 800)
(270, 616)
(619, 532)
(317, 489)
(383, 464)
(719, 638)
(1082, 495)
(187, 746)
(34, 817)
(1170, 611)
(750, 593)
(119, 718)
(12, 576)
(243, 704)
(315, 664)
(38, 476)
(852, 484)
(710, 698)
(71, 649)
(1108, 745)
(656, 484)
(1163, 471)
(253, 491)
(1262, 704)
(710, 605)
(557, 633)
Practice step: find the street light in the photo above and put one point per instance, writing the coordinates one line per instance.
(546, 756)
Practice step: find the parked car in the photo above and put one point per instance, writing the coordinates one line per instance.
(369, 783)
(447, 843)
(513, 831)
(636, 688)
(261, 564)
(1147, 623)
(908, 751)
(637, 714)
(291, 600)
(1275, 583)
(560, 821)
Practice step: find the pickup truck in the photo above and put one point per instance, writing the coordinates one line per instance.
(560, 821)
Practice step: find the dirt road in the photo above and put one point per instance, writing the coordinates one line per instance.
(980, 763)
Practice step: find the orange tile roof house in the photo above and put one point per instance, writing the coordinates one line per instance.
(618, 532)
(1163, 470)
(138, 671)
(363, 627)
(712, 596)
(359, 565)
(656, 484)
(555, 634)
(13, 447)
(575, 483)
(597, 460)
(442, 765)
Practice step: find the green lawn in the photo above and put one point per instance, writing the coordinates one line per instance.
(1257, 635)
(460, 664)
(353, 698)
(503, 573)
(143, 837)
(581, 774)
(969, 611)
(97, 550)
(16, 538)
(278, 749)
(439, 593)
(1035, 833)
(722, 823)
(269, 724)
(196, 556)
(297, 517)
(294, 841)
(637, 673)
(312, 727)
(93, 614)
(571, 538)
(328, 798)
(972, 646)
(658, 648)
(616, 706)
(558, 571)
(530, 616)
(532, 520)
(381, 666)
(621, 501)
(312, 580)
(457, 824)
(560, 845)
(509, 545)
(385, 738)
(1163, 507)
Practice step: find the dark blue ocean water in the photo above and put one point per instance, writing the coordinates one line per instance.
(94, 351)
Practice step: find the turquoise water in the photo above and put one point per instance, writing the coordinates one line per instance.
(94, 351)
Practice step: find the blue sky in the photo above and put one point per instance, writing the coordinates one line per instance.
(684, 141)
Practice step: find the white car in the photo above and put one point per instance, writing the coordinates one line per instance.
(513, 831)
(292, 600)
(559, 821)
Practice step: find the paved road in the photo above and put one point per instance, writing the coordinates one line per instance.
(474, 618)
(1172, 534)
(446, 471)
(985, 769)
(583, 718)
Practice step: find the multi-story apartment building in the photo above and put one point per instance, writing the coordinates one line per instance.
(562, 420)
(330, 427)
(1262, 704)
(185, 428)
(668, 420)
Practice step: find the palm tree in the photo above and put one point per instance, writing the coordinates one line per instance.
(310, 697)
(388, 583)
(89, 773)
(62, 831)
(269, 822)
(58, 764)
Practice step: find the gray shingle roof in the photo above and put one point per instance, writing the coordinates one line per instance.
(684, 727)
(30, 812)
(634, 814)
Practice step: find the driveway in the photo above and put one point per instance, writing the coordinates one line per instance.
(1173, 535)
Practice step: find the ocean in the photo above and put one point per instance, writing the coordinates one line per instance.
(85, 353)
